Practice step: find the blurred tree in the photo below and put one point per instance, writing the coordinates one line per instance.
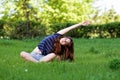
(66, 10)
(106, 17)
(19, 13)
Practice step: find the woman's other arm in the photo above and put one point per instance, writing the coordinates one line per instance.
(48, 57)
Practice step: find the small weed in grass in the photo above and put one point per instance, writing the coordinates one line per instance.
(93, 50)
(115, 64)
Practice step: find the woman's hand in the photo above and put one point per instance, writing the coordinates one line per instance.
(85, 23)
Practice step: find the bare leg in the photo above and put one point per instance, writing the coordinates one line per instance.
(36, 50)
(27, 57)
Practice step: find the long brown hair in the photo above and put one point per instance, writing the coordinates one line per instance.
(65, 52)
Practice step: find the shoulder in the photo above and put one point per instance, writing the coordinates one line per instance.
(58, 34)
(52, 37)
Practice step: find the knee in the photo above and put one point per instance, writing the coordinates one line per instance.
(23, 54)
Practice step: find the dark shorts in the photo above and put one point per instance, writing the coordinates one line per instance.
(37, 56)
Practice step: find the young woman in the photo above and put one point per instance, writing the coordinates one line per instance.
(55, 45)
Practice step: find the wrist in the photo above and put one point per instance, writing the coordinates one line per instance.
(79, 24)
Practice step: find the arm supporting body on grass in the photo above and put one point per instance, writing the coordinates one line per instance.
(48, 57)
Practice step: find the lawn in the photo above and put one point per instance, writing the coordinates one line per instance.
(92, 61)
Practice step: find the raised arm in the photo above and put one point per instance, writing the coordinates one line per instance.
(65, 30)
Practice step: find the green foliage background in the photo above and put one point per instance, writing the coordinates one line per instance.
(33, 18)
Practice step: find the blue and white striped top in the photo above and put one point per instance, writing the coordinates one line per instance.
(46, 46)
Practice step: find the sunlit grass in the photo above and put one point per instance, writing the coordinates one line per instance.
(92, 57)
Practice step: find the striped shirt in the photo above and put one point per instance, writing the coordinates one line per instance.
(46, 46)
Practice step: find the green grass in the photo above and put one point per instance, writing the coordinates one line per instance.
(92, 59)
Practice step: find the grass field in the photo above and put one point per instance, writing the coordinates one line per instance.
(92, 60)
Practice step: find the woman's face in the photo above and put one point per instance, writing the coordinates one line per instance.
(65, 41)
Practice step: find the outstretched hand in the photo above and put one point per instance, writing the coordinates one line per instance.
(85, 23)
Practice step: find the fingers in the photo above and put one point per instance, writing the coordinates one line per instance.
(86, 23)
